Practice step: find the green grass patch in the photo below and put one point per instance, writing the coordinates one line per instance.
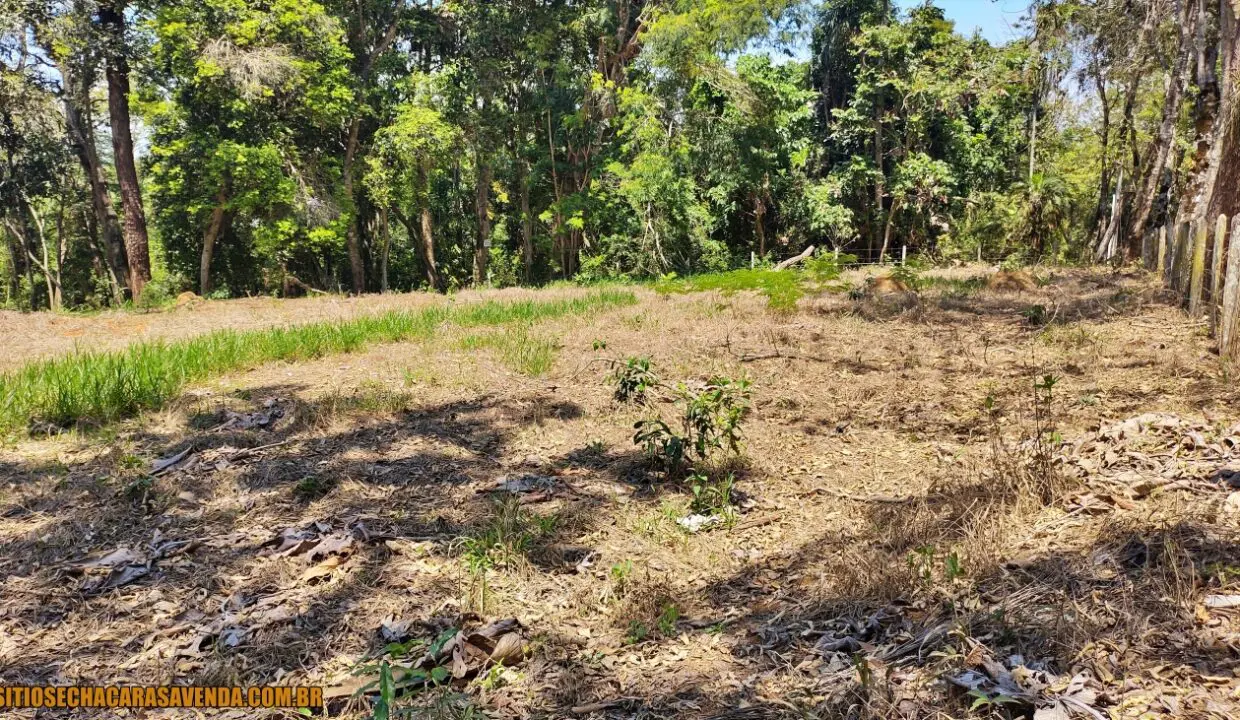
(782, 288)
(955, 287)
(106, 386)
(517, 348)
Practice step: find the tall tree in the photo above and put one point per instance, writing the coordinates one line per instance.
(112, 22)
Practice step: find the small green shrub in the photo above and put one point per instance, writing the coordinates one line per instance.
(668, 617)
(633, 379)
(709, 417)
(909, 274)
(162, 290)
(825, 266)
(1036, 315)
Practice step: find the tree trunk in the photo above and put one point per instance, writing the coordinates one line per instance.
(1126, 135)
(82, 137)
(1160, 152)
(16, 259)
(50, 280)
(353, 240)
(759, 223)
(527, 230)
(428, 248)
(137, 246)
(891, 216)
(1104, 137)
(1033, 140)
(385, 232)
(214, 226)
(879, 189)
(482, 201)
(1221, 194)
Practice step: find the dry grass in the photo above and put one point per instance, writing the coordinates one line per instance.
(880, 490)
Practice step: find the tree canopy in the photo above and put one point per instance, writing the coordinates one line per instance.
(279, 147)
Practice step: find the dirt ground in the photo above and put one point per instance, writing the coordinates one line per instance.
(925, 528)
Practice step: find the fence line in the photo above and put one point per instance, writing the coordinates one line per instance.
(896, 255)
(1204, 268)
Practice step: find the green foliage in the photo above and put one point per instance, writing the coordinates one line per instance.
(825, 266)
(507, 537)
(712, 415)
(501, 143)
(518, 349)
(931, 565)
(910, 274)
(633, 379)
(249, 95)
(668, 617)
(712, 497)
(709, 421)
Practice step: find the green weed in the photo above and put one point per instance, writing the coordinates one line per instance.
(504, 542)
(668, 617)
(633, 379)
(712, 497)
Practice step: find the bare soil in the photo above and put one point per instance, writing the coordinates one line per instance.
(916, 518)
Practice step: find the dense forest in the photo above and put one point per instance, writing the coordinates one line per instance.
(236, 147)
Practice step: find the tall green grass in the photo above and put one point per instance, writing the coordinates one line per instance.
(106, 386)
(517, 348)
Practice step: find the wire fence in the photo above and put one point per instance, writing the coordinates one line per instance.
(898, 255)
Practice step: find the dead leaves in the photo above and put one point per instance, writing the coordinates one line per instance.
(1013, 684)
(220, 458)
(308, 544)
(453, 656)
(1149, 454)
(124, 565)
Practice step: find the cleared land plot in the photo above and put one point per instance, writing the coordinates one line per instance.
(896, 544)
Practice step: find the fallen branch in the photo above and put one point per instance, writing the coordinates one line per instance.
(246, 452)
(755, 522)
(294, 280)
(888, 499)
(794, 260)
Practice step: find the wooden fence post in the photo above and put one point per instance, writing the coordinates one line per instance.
(1196, 282)
(1229, 338)
(1179, 260)
(1162, 253)
(1216, 271)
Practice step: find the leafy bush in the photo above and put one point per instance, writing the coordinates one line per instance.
(633, 379)
(163, 289)
(910, 274)
(709, 417)
(825, 265)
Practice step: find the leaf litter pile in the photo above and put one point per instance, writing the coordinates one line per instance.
(939, 509)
